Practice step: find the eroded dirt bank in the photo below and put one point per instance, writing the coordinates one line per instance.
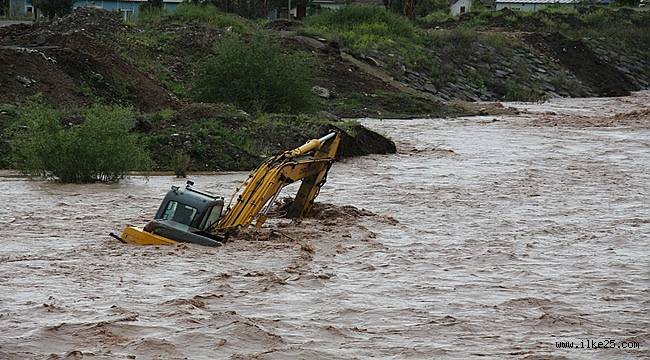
(492, 238)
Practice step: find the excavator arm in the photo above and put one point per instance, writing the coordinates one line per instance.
(190, 216)
(308, 163)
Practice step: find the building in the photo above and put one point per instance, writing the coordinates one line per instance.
(20, 8)
(458, 7)
(128, 8)
(531, 5)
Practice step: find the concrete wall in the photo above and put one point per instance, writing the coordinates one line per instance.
(459, 5)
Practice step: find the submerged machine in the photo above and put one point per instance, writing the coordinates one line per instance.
(191, 216)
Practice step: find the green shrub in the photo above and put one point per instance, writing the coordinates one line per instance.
(181, 163)
(598, 18)
(7, 114)
(424, 7)
(458, 42)
(515, 91)
(256, 75)
(54, 8)
(152, 5)
(99, 149)
(149, 16)
(500, 42)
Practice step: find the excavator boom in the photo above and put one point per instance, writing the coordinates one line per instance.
(265, 183)
(188, 215)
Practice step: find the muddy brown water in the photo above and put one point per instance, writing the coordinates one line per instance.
(492, 239)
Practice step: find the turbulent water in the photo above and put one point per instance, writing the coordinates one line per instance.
(493, 238)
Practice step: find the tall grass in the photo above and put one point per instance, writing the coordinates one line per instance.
(195, 13)
(363, 27)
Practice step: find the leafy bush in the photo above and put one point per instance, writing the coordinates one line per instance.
(99, 149)
(515, 91)
(256, 75)
(247, 8)
(458, 42)
(152, 5)
(598, 18)
(181, 163)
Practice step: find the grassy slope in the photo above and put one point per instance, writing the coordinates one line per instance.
(198, 136)
(447, 50)
(165, 40)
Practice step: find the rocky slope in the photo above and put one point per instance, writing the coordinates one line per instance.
(505, 55)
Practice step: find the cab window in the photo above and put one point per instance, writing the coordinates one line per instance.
(212, 217)
(179, 212)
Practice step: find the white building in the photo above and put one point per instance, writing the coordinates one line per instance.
(531, 5)
(460, 7)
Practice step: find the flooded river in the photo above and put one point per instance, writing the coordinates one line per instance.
(492, 238)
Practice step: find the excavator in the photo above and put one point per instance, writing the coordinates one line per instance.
(187, 215)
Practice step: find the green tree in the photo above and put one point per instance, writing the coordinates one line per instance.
(256, 75)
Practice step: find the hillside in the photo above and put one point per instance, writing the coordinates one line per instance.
(505, 55)
(365, 61)
(91, 57)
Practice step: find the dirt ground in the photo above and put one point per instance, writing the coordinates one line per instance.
(482, 238)
(73, 62)
(13, 22)
(575, 55)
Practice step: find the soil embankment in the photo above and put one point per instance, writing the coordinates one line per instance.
(516, 56)
(71, 62)
(603, 78)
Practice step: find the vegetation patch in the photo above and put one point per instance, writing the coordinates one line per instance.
(257, 75)
(386, 104)
(369, 29)
(195, 13)
(100, 148)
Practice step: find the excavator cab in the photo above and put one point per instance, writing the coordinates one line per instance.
(189, 208)
(186, 215)
(191, 216)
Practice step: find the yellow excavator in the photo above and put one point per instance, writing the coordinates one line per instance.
(191, 216)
